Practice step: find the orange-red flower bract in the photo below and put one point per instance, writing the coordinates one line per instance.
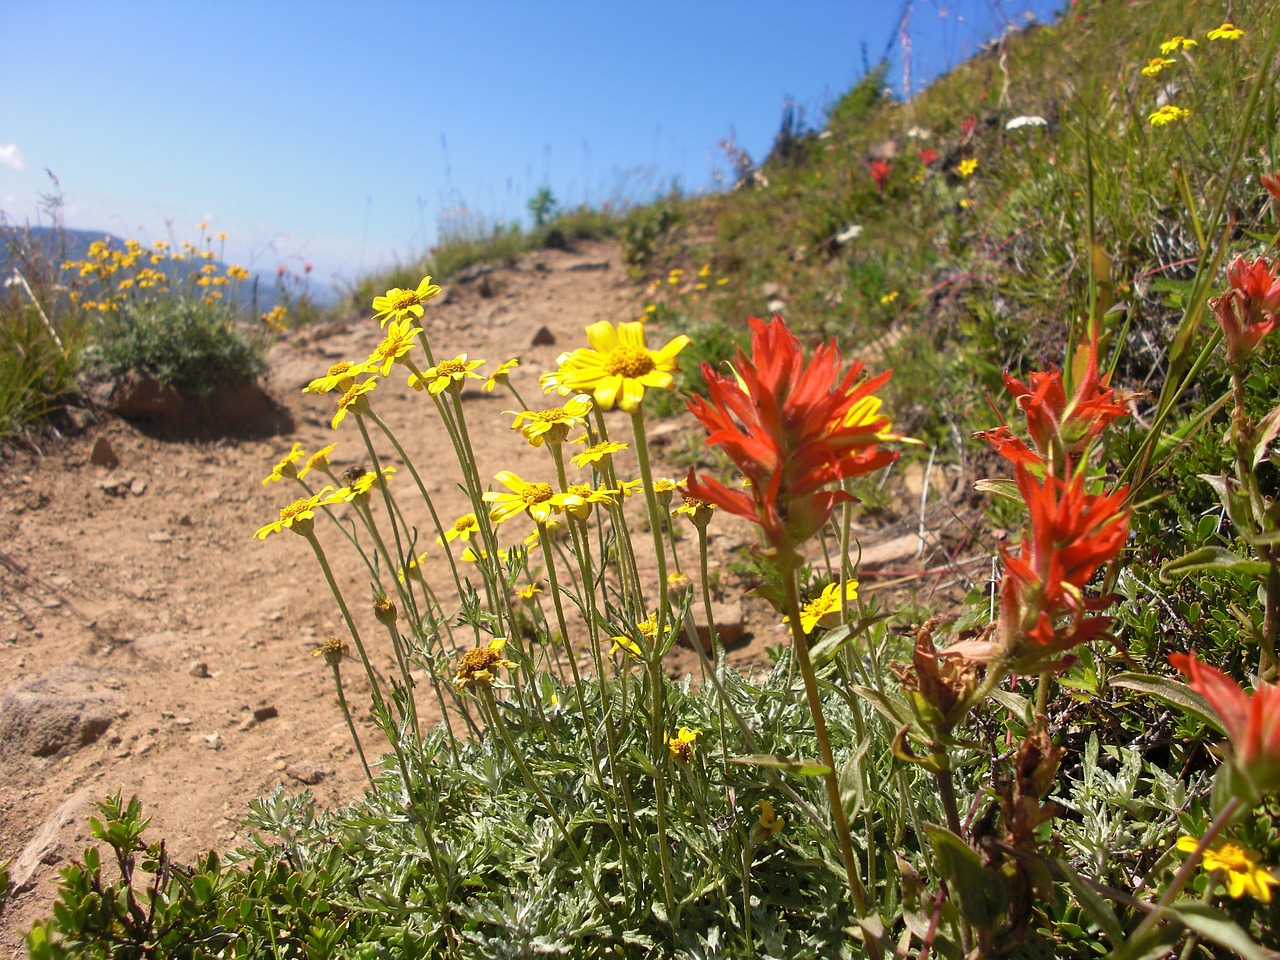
(1250, 309)
(788, 426)
(1252, 721)
(1061, 428)
(1072, 534)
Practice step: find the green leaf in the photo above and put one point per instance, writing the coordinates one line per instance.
(1000, 487)
(1098, 909)
(980, 894)
(1172, 692)
(897, 713)
(805, 768)
(1213, 560)
(1214, 925)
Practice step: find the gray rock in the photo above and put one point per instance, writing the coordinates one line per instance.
(45, 844)
(56, 713)
(308, 773)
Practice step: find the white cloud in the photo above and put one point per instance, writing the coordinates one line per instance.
(11, 157)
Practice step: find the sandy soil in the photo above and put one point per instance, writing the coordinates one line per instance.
(137, 593)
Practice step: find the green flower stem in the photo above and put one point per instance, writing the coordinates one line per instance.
(346, 712)
(496, 723)
(714, 636)
(376, 690)
(628, 572)
(1188, 867)
(431, 508)
(656, 687)
(812, 693)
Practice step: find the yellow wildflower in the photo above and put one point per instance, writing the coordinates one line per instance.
(479, 667)
(397, 304)
(340, 376)
(767, 826)
(586, 497)
(681, 745)
(1177, 43)
(1168, 114)
(447, 375)
(1228, 31)
(502, 375)
(648, 628)
(288, 467)
(1238, 866)
(333, 650)
(361, 485)
(967, 167)
(889, 297)
(472, 556)
(413, 568)
(698, 511)
(236, 272)
(1155, 65)
(618, 367)
(317, 461)
(600, 453)
(539, 500)
(553, 424)
(298, 516)
(397, 342)
(463, 527)
(529, 591)
(824, 609)
(553, 382)
(353, 399)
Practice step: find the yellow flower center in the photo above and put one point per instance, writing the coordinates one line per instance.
(405, 299)
(537, 493)
(695, 503)
(339, 368)
(463, 524)
(292, 510)
(629, 362)
(1229, 857)
(477, 663)
(580, 490)
(447, 368)
(554, 415)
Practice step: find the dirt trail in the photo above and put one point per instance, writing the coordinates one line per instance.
(137, 612)
(149, 645)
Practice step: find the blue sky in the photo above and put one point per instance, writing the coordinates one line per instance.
(338, 133)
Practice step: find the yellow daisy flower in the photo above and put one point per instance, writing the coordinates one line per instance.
(298, 516)
(967, 167)
(1238, 866)
(824, 609)
(630, 487)
(618, 367)
(600, 453)
(539, 500)
(353, 399)
(501, 375)
(664, 490)
(648, 628)
(697, 510)
(236, 272)
(553, 424)
(413, 568)
(681, 745)
(767, 826)
(447, 375)
(529, 591)
(288, 467)
(889, 297)
(1168, 114)
(397, 342)
(340, 376)
(586, 497)
(1228, 31)
(465, 526)
(397, 304)
(317, 461)
(479, 667)
(1177, 43)
(475, 556)
(362, 484)
(1155, 65)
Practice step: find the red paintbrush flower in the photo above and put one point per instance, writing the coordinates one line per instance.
(1271, 183)
(1252, 721)
(793, 429)
(880, 170)
(1248, 311)
(1062, 428)
(928, 157)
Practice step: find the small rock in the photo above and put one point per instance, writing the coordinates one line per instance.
(114, 485)
(198, 669)
(662, 433)
(891, 551)
(584, 265)
(56, 713)
(143, 745)
(103, 455)
(265, 713)
(160, 536)
(43, 847)
(138, 487)
(183, 721)
(213, 742)
(308, 773)
(729, 624)
(248, 723)
(544, 338)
